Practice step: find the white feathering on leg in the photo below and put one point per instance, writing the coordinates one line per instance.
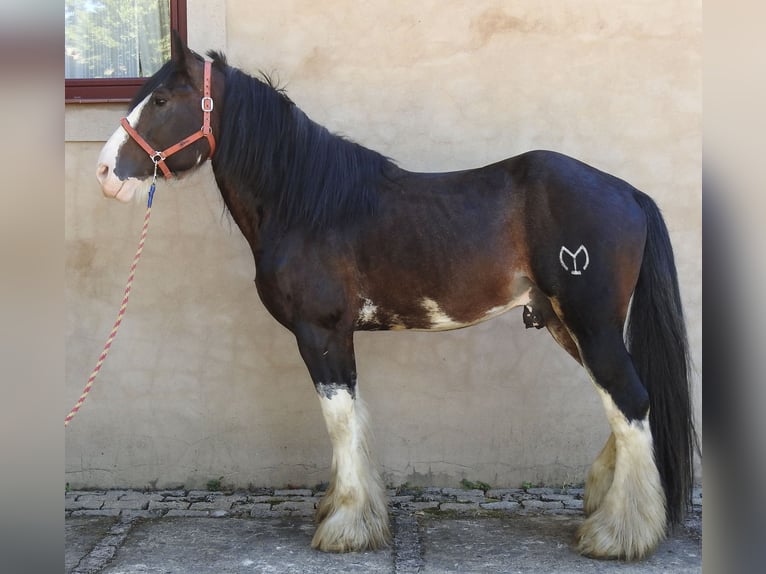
(630, 520)
(353, 515)
(600, 476)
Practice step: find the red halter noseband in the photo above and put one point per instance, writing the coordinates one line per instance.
(159, 157)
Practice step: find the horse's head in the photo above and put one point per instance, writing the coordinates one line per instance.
(169, 126)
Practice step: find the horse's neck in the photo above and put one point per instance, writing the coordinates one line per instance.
(246, 211)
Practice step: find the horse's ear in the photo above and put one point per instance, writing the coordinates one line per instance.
(179, 51)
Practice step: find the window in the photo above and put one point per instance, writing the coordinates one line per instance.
(111, 46)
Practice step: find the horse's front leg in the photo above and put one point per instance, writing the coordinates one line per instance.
(353, 514)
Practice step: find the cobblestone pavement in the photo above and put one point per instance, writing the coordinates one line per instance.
(435, 530)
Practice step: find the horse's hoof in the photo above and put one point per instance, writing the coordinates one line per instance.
(342, 531)
(348, 525)
(605, 539)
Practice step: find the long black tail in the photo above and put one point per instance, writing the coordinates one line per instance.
(656, 337)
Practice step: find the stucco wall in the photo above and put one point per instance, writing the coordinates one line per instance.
(202, 383)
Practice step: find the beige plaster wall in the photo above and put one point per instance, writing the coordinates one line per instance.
(202, 383)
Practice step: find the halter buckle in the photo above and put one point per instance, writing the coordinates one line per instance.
(206, 103)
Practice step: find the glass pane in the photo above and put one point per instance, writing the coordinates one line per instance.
(116, 38)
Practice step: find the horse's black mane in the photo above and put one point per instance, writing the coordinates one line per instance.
(269, 149)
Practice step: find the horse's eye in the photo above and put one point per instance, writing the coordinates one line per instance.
(160, 101)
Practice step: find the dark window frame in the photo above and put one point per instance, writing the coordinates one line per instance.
(102, 90)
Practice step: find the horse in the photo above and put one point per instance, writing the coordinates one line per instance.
(345, 240)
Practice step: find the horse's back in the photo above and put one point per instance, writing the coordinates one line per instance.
(459, 246)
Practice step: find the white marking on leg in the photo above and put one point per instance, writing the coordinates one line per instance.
(600, 476)
(112, 186)
(630, 520)
(353, 515)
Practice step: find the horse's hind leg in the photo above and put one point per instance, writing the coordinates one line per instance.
(600, 476)
(601, 471)
(353, 514)
(627, 503)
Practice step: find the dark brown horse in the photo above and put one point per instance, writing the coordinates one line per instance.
(344, 240)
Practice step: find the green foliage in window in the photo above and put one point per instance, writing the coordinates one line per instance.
(116, 38)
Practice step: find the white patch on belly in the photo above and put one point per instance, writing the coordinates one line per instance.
(368, 312)
(440, 321)
(519, 301)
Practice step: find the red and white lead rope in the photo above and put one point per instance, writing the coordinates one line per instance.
(123, 307)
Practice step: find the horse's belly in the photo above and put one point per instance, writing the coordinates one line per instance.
(431, 316)
(441, 321)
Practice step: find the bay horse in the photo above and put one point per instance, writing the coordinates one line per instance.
(345, 240)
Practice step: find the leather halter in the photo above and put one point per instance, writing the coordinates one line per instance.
(159, 157)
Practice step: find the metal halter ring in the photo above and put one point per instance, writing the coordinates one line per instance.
(158, 157)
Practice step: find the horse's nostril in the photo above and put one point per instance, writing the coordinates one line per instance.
(102, 171)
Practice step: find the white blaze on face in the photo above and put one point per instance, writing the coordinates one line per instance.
(111, 185)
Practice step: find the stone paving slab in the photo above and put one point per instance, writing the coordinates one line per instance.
(232, 545)
(435, 530)
(280, 502)
(538, 543)
(81, 536)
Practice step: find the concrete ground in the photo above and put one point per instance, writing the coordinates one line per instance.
(438, 535)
